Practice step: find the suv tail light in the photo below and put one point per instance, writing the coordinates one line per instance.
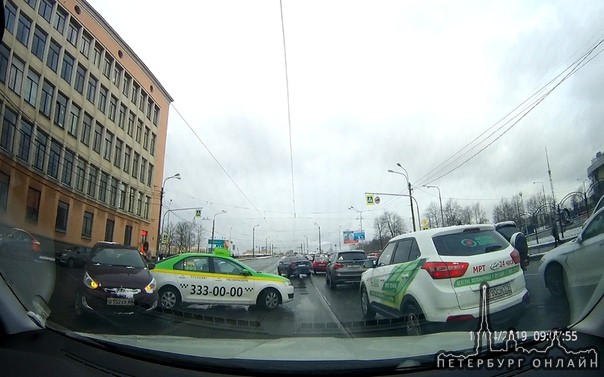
(337, 265)
(515, 256)
(445, 270)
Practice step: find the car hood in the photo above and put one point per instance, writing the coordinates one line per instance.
(264, 275)
(111, 276)
(565, 248)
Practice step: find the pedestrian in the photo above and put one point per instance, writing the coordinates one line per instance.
(555, 234)
(146, 251)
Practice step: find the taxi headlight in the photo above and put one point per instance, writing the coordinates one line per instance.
(89, 282)
(150, 288)
(287, 283)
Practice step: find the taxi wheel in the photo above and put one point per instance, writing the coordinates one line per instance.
(368, 312)
(269, 299)
(412, 318)
(169, 297)
(554, 279)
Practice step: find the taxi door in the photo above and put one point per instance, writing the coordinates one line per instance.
(230, 285)
(195, 281)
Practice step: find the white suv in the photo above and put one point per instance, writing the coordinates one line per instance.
(433, 276)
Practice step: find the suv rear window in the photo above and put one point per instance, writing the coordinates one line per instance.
(118, 257)
(352, 256)
(507, 231)
(473, 242)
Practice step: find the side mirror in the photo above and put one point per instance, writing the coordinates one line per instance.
(246, 273)
(369, 263)
(579, 239)
(150, 265)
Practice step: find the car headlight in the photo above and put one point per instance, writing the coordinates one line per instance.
(150, 288)
(287, 283)
(89, 282)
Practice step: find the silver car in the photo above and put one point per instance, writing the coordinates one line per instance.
(345, 267)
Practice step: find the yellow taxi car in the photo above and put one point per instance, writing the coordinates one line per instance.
(197, 278)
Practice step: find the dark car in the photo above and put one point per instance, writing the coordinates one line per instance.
(294, 266)
(513, 235)
(20, 243)
(345, 267)
(117, 279)
(74, 256)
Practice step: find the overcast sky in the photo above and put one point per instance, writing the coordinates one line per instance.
(371, 84)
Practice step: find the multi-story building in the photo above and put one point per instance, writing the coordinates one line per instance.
(83, 126)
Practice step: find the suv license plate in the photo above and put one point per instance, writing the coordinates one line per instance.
(498, 292)
(120, 301)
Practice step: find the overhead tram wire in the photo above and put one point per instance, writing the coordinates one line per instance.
(216, 160)
(435, 175)
(289, 121)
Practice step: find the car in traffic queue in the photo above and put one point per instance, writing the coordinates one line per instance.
(319, 264)
(74, 256)
(514, 236)
(345, 267)
(294, 265)
(20, 243)
(117, 280)
(198, 278)
(435, 276)
(578, 263)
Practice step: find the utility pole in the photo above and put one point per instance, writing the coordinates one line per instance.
(555, 207)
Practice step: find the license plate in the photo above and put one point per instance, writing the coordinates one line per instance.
(120, 301)
(498, 292)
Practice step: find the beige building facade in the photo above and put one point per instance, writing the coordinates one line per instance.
(83, 125)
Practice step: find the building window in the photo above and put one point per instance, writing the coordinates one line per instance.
(92, 177)
(85, 42)
(122, 117)
(67, 167)
(67, 67)
(80, 79)
(60, 109)
(39, 43)
(72, 33)
(4, 54)
(4, 184)
(128, 235)
(143, 101)
(30, 92)
(107, 66)
(9, 125)
(131, 118)
(40, 150)
(62, 215)
(26, 131)
(98, 138)
(135, 165)
(126, 85)
(15, 78)
(146, 138)
(131, 200)
(152, 147)
(33, 204)
(53, 159)
(103, 182)
(122, 196)
(91, 92)
(134, 96)
(87, 225)
(150, 106)
(23, 29)
(112, 108)
(109, 226)
(74, 120)
(139, 204)
(86, 129)
(113, 192)
(143, 170)
(102, 105)
(80, 174)
(139, 131)
(96, 56)
(150, 175)
(32, 3)
(45, 9)
(46, 99)
(146, 207)
(117, 75)
(127, 155)
(10, 16)
(60, 19)
(52, 57)
(117, 158)
(108, 146)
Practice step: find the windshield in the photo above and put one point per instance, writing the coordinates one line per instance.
(248, 157)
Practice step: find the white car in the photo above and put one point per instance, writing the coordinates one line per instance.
(433, 277)
(578, 263)
(196, 278)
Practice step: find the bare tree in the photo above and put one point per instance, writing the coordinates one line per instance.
(433, 215)
(452, 212)
(183, 235)
(389, 225)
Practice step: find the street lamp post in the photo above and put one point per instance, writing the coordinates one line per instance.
(213, 226)
(161, 199)
(319, 237)
(254, 240)
(406, 175)
(442, 217)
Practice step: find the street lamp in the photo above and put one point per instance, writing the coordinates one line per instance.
(406, 175)
(442, 217)
(360, 215)
(254, 240)
(161, 199)
(213, 225)
(319, 237)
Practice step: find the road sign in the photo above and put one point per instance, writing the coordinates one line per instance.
(218, 243)
(197, 213)
(377, 200)
(369, 199)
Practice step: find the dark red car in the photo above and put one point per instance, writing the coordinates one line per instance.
(319, 264)
(20, 243)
